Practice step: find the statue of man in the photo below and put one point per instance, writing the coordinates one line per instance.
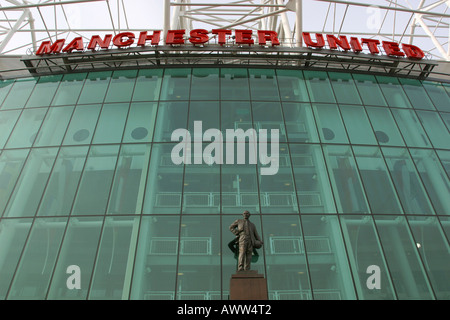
(248, 239)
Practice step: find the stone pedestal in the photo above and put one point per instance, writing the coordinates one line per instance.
(248, 285)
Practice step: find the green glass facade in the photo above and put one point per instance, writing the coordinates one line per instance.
(86, 179)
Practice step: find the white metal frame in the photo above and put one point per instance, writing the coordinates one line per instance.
(24, 24)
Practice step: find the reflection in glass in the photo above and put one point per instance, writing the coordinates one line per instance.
(121, 87)
(155, 268)
(62, 184)
(416, 94)
(176, 84)
(111, 123)
(400, 251)
(407, 181)
(329, 123)
(344, 176)
(43, 91)
(292, 85)
(263, 85)
(31, 183)
(435, 128)
(365, 251)
(79, 248)
(300, 123)
(129, 180)
(164, 182)
(38, 260)
(198, 274)
(95, 87)
(438, 95)
(114, 264)
(82, 125)
(393, 92)
(330, 274)
(433, 248)
(54, 126)
(19, 93)
(13, 234)
(369, 90)
(205, 84)
(384, 126)
(434, 178)
(93, 192)
(141, 122)
(319, 87)
(7, 121)
(284, 248)
(148, 85)
(378, 186)
(234, 84)
(411, 128)
(311, 179)
(69, 89)
(26, 128)
(344, 88)
(357, 124)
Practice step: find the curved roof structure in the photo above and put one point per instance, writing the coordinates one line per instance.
(24, 24)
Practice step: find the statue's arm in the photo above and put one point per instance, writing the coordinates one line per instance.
(233, 228)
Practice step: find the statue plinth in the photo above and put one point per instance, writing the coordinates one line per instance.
(248, 285)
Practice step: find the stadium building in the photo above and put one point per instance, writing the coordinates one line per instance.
(100, 199)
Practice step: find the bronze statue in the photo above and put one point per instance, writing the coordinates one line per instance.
(248, 239)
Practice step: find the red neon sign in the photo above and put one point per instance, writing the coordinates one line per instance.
(242, 37)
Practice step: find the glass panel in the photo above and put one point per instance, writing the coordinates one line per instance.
(129, 181)
(82, 125)
(11, 163)
(164, 182)
(19, 93)
(115, 257)
(329, 270)
(236, 115)
(148, 85)
(277, 191)
(205, 84)
(319, 86)
(239, 188)
(171, 116)
(446, 119)
(369, 90)
(410, 190)
(199, 258)
(384, 126)
(95, 185)
(311, 179)
(329, 123)
(111, 123)
(393, 92)
(234, 84)
(365, 251)
(26, 128)
(358, 125)
(95, 87)
(376, 180)
(287, 271)
(155, 269)
(121, 87)
(263, 85)
(54, 126)
(344, 88)
(411, 128)
(201, 194)
(7, 121)
(205, 112)
(300, 123)
(445, 223)
(31, 183)
(69, 89)
(407, 272)
(434, 178)
(176, 84)
(38, 260)
(292, 85)
(13, 234)
(5, 86)
(438, 95)
(268, 115)
(140, 122)
(435, 128)
(416, 94)
(63, 182)
(444, 155)
(433, 248)
(344, 176)
(79, 248)
(44, 91)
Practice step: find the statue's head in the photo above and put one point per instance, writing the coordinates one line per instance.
(246, 214)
